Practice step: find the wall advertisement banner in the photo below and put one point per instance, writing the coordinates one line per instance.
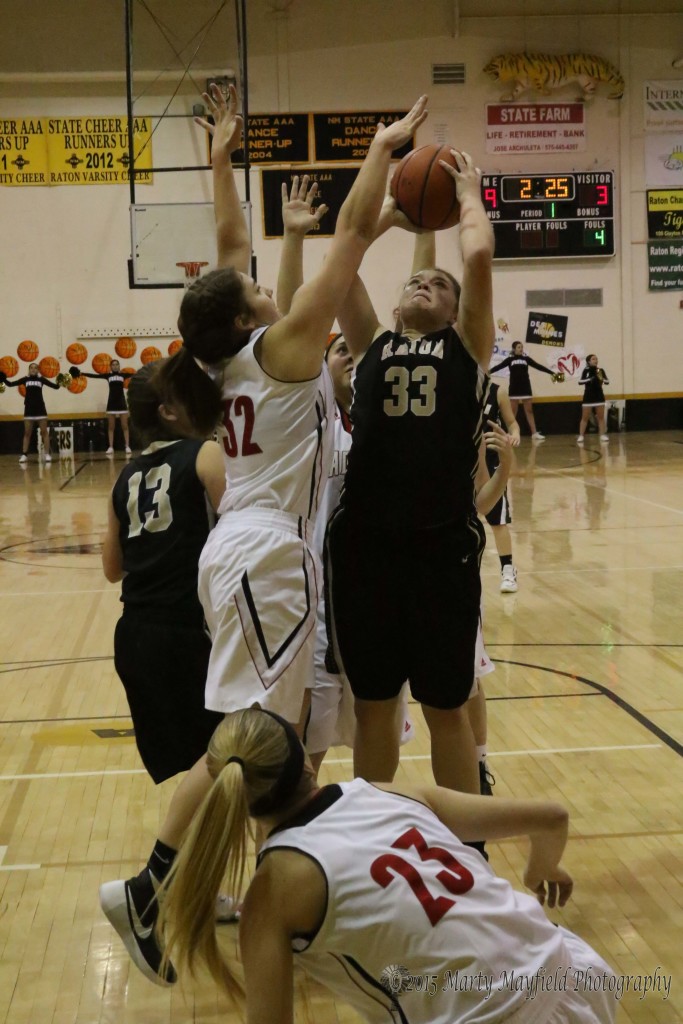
(663, 106)
(535, 128)
(546, 329)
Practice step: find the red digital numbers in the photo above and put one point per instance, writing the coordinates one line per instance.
(603, 199)
(490, 196)
(455, 878)
(244, 407)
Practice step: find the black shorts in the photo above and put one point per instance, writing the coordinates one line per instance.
(163, 668)
(500, 514)
(405, 607)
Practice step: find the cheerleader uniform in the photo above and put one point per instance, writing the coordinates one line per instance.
(34, 403)
(592, 382)
(519, 387)
(116, 402)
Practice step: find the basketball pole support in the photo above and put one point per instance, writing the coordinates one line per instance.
(241, 26)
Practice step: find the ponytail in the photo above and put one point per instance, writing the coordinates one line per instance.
(208, 313)
(257, 762)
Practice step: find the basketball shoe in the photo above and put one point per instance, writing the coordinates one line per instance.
(508, 580)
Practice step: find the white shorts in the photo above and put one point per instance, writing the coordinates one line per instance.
(332, 722)
(259, 583)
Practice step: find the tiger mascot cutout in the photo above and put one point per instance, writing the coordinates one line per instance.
(544, 72)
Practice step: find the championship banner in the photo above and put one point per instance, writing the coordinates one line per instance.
(346, 137)
(535, 127)
(94, 150)
(275, 139)
(334, 184)
(546, 329)
(23, 151)
(665, 213)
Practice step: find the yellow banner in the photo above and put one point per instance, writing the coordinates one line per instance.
(89, 150)
(665, 199)
(23, 151)
(73, 150)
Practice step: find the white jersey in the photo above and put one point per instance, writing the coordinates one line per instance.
(407, 900)
(276, 435)
(330, 499)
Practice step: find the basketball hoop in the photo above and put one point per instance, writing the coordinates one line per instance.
(193, 270)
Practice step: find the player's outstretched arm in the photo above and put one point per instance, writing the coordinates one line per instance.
(475, 314)
(232, 234)
(299, 216)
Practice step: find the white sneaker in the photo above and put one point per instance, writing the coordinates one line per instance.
(23, 458)
(227, 908)
(604, 437)
(508, 583)
(109, 451)
(128, 451)
(538, 436)
(579, 439)
(48, 457)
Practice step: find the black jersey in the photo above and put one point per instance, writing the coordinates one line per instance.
(164, 521)
(34, 403)
(592, 379)
(116, 402)
(417, 424)
(492, 412)
(520, 385)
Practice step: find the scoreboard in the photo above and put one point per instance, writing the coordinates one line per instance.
(550, 216)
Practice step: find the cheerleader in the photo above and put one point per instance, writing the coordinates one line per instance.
(520, 386)
(34, 408)
(592, 379)
(116, 402)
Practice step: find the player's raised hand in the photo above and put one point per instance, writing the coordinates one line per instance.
(299, 215)
(467, 177)
(498, 440)
(398, 133)
(228, 124)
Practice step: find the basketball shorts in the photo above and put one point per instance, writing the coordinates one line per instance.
(500, 514)
(259, 584)
(332, 721)
(405, 606)
(163, 667)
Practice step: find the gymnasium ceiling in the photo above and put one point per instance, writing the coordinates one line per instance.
(72, 37)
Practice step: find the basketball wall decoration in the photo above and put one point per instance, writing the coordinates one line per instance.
(49, 366)
(125, 348)
(101, 362)
(150, 355)
(28, 351)
(175, 346)
(9, 365)
(22, 390)
(76, 353)
(424, 191)
(77, 385)
(127, 369)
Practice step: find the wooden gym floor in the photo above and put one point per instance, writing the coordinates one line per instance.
(585, 706)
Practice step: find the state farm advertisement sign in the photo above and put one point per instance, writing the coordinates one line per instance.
(535, 128)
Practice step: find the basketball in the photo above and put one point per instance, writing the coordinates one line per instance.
(127, 369)
(125, 348)
(22, 390)
(49, 366)
(27, 350)
(77, 385)
(424, 191)
(150, 354)
(77, 353)
(9, 365)
(101, 362)
(175, 346)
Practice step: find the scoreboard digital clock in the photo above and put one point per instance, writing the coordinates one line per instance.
(542, 216)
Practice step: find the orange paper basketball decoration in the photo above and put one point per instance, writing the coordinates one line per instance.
(22, 390)
(49, 366)
(150, 354)
(101, 362)
(125, 348)
(77, 385)
(76, 353)
(9, 365)
(424, 191)
(28, 351)
(175, 346)
(127, 369)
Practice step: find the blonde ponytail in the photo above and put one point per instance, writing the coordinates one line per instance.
(249, 754)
